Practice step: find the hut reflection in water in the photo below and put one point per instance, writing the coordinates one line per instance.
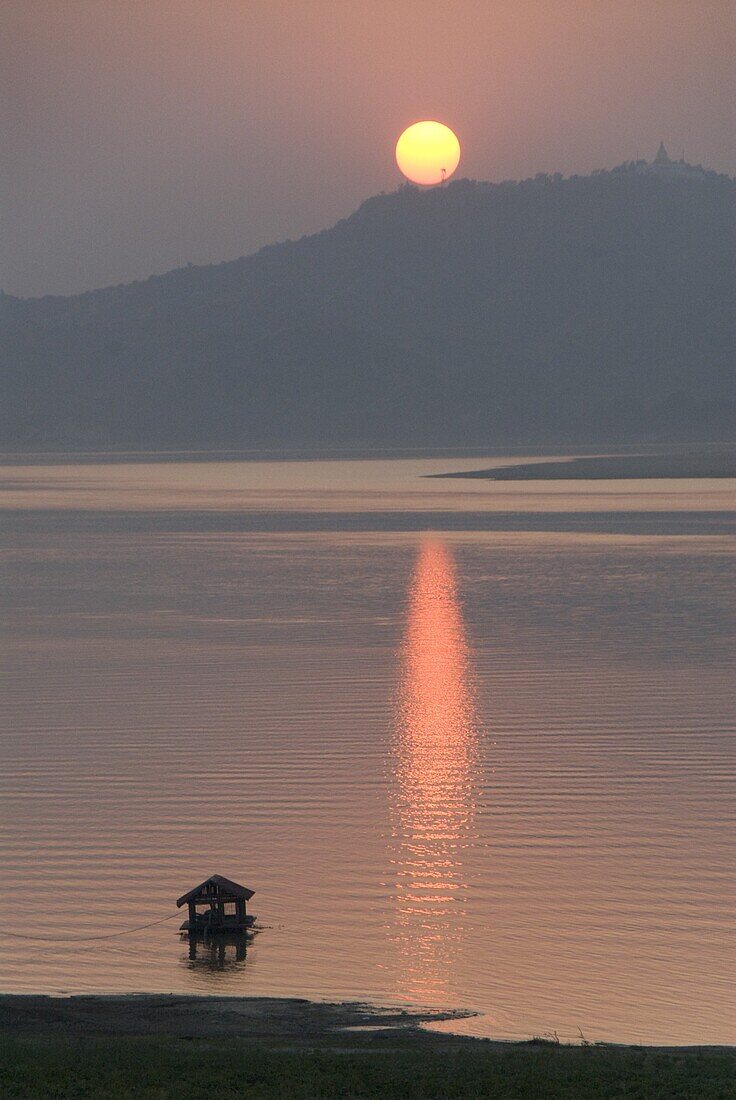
(217, 953)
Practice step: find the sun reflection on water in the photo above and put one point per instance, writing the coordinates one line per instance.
(435, 741)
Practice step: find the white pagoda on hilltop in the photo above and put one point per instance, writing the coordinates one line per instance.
(665, 166)
(662, 158)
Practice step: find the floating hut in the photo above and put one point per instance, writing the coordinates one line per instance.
(217, 905)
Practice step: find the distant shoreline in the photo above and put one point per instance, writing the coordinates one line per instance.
(719, 463)
(547, 452)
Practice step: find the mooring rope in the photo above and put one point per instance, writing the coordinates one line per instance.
(76, 939)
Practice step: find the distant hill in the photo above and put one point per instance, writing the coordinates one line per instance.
(591, 309)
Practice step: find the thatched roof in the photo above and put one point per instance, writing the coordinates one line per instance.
(219, 882)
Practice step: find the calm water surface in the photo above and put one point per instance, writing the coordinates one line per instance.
(471, 743)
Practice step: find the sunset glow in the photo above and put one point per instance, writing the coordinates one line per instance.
(369, 488)
(428, 153)
(436, 744)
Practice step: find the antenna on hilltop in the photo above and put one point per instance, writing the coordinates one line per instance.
(443, 172)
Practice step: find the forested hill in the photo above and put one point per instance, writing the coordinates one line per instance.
(587, 309)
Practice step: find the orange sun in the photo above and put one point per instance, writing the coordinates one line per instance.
(427, 152)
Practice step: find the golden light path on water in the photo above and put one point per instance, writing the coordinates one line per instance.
(435, 740)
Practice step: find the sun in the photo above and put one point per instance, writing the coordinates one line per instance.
(428, 153)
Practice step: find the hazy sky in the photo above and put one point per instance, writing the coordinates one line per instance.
(139, 135)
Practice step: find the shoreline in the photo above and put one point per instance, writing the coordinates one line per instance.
(304, 1023)
(715, 463)
(262, 1019)
(154, 1047)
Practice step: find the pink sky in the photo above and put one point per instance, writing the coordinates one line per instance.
(139, 135)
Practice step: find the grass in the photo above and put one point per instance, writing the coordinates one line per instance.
(147, 1068)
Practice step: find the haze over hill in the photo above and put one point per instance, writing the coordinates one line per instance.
(596, 308)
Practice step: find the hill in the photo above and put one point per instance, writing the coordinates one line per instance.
(592, 309)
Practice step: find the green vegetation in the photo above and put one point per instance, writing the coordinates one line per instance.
(165, 1067)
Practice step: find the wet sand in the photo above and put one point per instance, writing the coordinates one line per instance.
(267, 1019)
(298, 1022)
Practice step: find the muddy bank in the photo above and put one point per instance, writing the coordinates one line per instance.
(172, 1015)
